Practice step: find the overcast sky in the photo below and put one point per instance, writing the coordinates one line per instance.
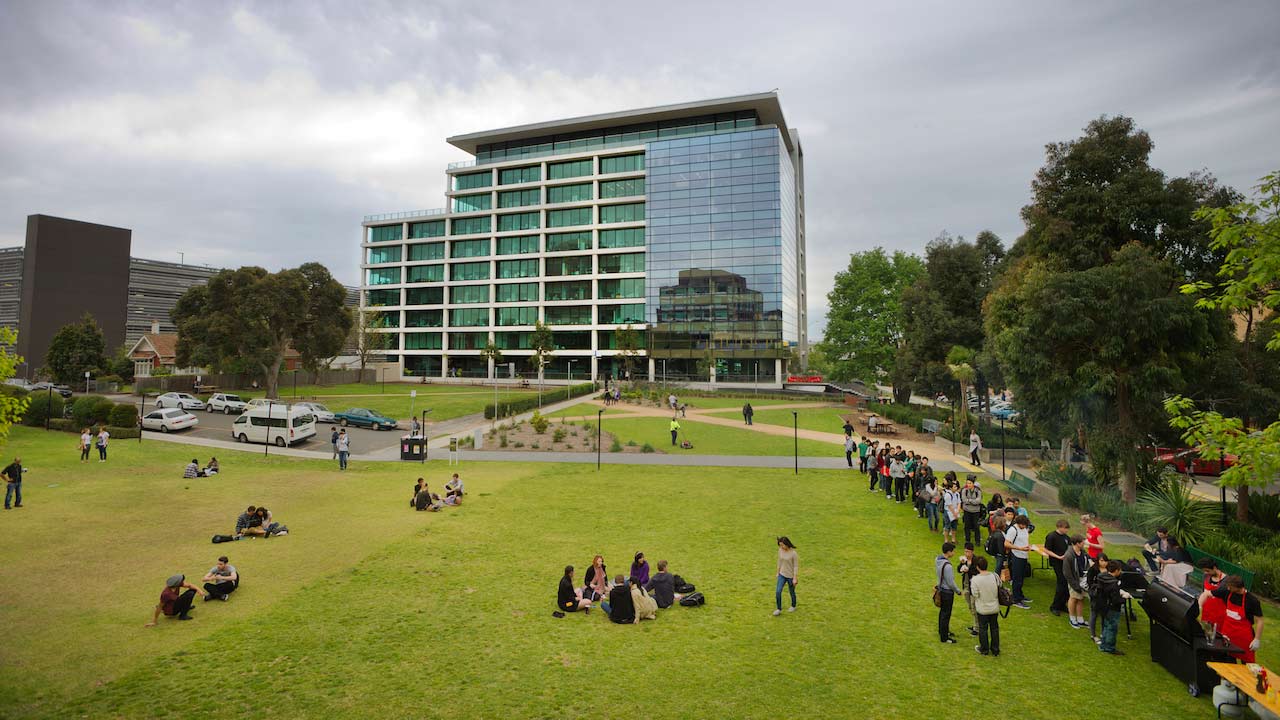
(262, 133)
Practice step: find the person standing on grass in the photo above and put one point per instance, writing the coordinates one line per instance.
(1017, 541)
(971, 505)
(886, 472)
(968, 569)
(344, 449)
(1096, 611)
(975, 446)
(985, 591)
(1111, 598)
(950, 506)
(862, 452)
(747, 413)
(898, 475)
(932, 497)
(1240, 613)
(176, 599)
(947, 589)
(221, 580)
(569, 598)
(788, 573)
(1074, 566)
(103, 437)
(848, 449)
(873, 464)
(86, 440)
(1055, 546)
(333, 440)
(1093, 541)
(13, 482)
(675, 430)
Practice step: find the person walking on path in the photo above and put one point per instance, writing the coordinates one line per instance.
(985, 590)
(333, 440)
(86, 440)
(344, 449)
(975, 445)
(788, 567)
(862, 452)
(103, 437)
(848, 449)
(947, 590)
(675, 430)
(13, 482)
(748, 412)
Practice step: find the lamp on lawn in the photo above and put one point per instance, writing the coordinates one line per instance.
(424, 436)
(1002, 445)
(599, 415)
(795, 431)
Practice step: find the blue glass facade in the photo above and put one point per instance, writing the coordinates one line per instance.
(721, 265)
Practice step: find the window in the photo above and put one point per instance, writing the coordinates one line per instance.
(630, 237)
(384, 254)
(469, 248)
(518, 245)
(472, 203)
(511, 176)
(469, 294)
(621, 163)
(568, 218)
(560, 242)
(569, 315)
(519, 198)
(518, 221)
(572, 265)
(517, 292)
(629, 262)
(426, 251)
(434, 228)
(469, 317)
(580, 340)
(569, 193)
(577, 290)
(471, 226)
(512, 340)
(631, 212)
(628, 288)
(471, 181)
(622, 314)
(381, 298)
(424, 296)
(422, 341)
(469, 271)
(621, 188)
(517, 269)
(385, 233)
(570, 169)
(425, 273)
(384, 276)
(517, 316)
(608, 339)
(423, 318)
(468, 340)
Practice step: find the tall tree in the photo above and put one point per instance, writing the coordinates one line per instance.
(628, 341)
(11, 407)
(864, 315)
(253, 316)
(543, 344)
(76, 348)
(369, 339)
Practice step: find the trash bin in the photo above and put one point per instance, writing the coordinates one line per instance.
(413, 447)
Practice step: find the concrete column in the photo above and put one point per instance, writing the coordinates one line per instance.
(444, 366)
(651, 366)
(777, 371)
(595, 368)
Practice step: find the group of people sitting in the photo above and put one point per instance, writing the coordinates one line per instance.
(178, 595)
(625, 599)
(194, 470)
(258, 522)
(424, 499)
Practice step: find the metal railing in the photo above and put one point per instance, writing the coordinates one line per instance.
(406, 214)
(462, 164)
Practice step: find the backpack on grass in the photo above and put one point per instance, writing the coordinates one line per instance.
(681, 585)
(223, 538)
(693, 600)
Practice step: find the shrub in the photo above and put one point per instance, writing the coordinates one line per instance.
(123, 433)
(616, 446)
(535, 446)
(508, 408)
(558, 435)
(538, 422)
(1173, 506)
(502, 440)
(1069, 495)
(519, 444)
(646, 448)
(1266, 571)
(123, 415)
(65, 425)
(91, 410)
(1061, 474)
(1264, 510)
(49, 406)
(631, 443)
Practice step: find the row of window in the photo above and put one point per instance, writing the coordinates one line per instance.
(508, 269)
(557, 194)
(555, 171)
(563, 340)
(632, 313)
(511, 222)
(606, 289)
(516, 245)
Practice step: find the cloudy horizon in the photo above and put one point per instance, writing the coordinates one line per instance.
(262, 134)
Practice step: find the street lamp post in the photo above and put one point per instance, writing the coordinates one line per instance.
(570, 372)
(664, 374)
(424, 435)
(86, 382)
(266, 446)
(795, 436)
(142, 415)
(955, 426)
(599, 415)
(48, 408)
(1002, 444)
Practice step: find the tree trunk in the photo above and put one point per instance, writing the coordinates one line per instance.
(1242, 504)
(901, 394)
(271, 376)
(1129, 479)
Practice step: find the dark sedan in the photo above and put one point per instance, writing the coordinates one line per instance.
(361, 417)
(62, 390)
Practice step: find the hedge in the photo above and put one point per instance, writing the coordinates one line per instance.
(123, 415)
(117, 433)
(49, 406)
(990, 435)
(515, 407)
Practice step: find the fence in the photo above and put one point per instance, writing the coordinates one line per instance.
(235, 381)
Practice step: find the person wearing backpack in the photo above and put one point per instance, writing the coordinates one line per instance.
(1074, 565)
(947, 589)
(1017, 541)
(971, 504)
(985, 590)
(932, 496)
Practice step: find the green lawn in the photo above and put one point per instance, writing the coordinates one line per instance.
(822, 419)
(445, 401)
(370, 610)
(711, 439)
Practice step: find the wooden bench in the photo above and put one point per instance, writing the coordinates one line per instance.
(1021, 483)
(202, 389)
(1196, 576)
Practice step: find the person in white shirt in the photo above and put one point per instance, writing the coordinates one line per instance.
(975, 444)
(1017, 540)
(849, 447)
(86, 439)
(951, 506)
(103, 436)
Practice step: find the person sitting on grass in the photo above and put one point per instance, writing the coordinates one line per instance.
(211, 469)
(596, 579)
(453, 500)
(176, 599)
(221, 580)
(249, 524)
(646, 607)
(622, 609)
(640, 569)
(454, 487)
(416, 489)
(427, 500)
(270, 527)
(568, 598)
(663, 587)
(192, 470)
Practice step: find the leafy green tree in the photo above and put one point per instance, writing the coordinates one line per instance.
(960, 362)
(543, 344)
(75, 349)
(864, 315)
(254, 316)
(628, 342)
(12, 407)
(368, 340)
(494, 356)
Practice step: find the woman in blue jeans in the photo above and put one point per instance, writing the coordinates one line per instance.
(788, 564)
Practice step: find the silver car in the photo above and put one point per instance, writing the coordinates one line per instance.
(322, 413)
(184, 401)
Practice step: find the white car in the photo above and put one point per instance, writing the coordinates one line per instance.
(181, 400)
(168, 420)
(322, 413)
(261, 403)
(226, 403)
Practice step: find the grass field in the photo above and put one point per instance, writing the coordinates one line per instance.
(711, 439)
(444, 401)
(822, 419)
(370, 610)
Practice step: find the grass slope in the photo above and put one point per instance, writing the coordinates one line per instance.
(711, 439)
(445, 401)
(370, 610)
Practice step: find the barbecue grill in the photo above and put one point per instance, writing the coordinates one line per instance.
(1178, 641)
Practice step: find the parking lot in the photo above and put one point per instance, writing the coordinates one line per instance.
(217, 426)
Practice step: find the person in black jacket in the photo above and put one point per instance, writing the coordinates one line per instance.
(1091, 581)
(569, 598)
(621, 608)
(1110, 599)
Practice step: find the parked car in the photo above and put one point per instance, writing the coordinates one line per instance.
(279, 424)
(226, 403)
(1184, 459)
(1007, 412)
(322, 413)
(181, 400)
(261, 403)
(19, 383)
(362, 417)
(168, 420)
(40, 387)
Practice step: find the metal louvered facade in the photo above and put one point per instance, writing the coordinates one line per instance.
(154, 289)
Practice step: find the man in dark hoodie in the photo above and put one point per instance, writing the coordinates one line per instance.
(622, 609)
(1110, 599)
(947, 589)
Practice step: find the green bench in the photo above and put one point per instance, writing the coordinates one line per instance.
(1196, 577)
(1021, 483)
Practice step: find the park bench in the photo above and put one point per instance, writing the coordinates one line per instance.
(1196, 577)
(205, 389)
(1021, 483)
(930, 425)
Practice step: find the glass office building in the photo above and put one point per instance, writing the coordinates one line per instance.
(682, 222)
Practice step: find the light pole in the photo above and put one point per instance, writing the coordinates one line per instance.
(795, 436)
(1002, 444)
(266, 446)
(48, 409)
(295, 384)
(570, 372)
(664, 374)
(955, 426)
(424, 435)
(86, 382)
(141, 415)
(756, 389)
(599, 415)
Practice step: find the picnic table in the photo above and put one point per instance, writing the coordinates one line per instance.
(882, 427)
(1246, 682)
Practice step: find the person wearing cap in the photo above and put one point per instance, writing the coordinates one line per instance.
(176, 599)
(221, 580)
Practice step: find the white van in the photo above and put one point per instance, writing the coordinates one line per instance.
(278, 423)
